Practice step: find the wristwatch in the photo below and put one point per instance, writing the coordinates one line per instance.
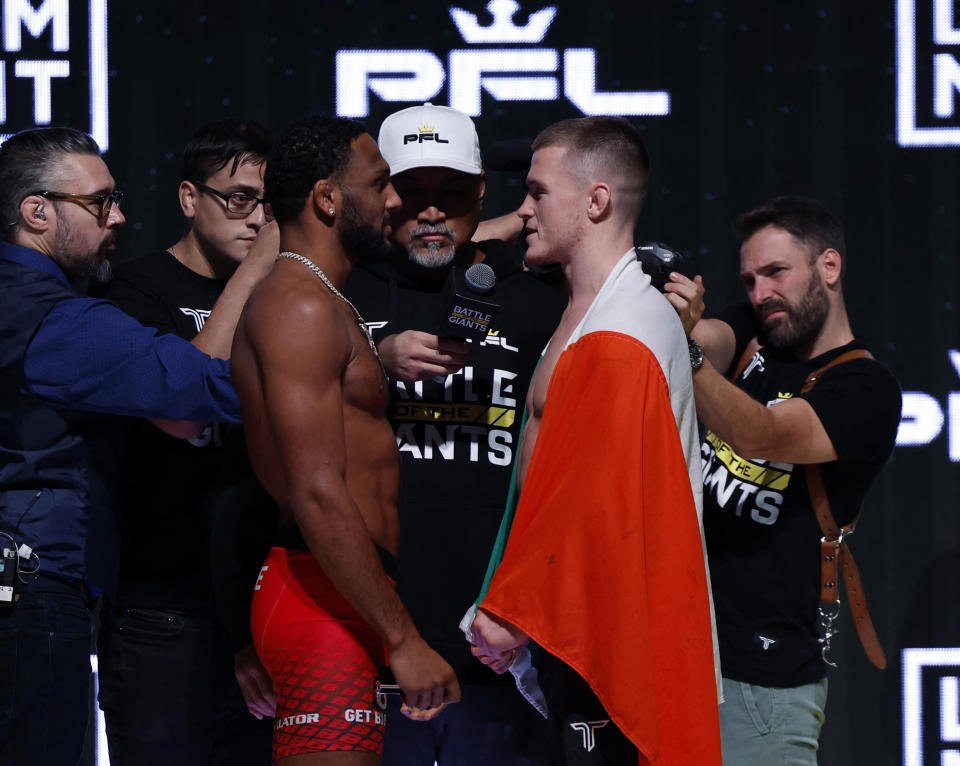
(696, 354)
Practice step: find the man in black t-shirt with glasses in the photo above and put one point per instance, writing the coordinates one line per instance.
(195, 524)
(798, 422)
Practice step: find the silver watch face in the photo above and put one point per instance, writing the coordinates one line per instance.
(696, 353)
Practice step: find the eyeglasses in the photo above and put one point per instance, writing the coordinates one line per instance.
(239, 203)
(104, 202)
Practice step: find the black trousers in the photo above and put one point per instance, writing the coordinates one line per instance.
(492, 725)
(169, 695)
(581, 732)
(45, 639)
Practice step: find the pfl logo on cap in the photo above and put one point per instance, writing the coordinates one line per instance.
(426, 133)
(430, 136)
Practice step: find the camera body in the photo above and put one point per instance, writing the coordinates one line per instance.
(658, 260)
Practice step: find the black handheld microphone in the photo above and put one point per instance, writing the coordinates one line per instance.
(469, 302)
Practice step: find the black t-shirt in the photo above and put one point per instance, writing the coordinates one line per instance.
(456, 439)
(762, 534)
(173, 515)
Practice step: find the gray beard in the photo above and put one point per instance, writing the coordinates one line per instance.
(101, 271)
(96, 266)
(432, 258)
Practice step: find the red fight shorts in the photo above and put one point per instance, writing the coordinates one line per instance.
(323, 659)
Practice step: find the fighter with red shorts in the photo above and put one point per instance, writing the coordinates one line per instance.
(322, 656)
(314, 396)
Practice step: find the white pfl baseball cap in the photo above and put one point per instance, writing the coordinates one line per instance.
(430, 136)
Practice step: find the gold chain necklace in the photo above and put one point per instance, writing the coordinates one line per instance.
(323, 278)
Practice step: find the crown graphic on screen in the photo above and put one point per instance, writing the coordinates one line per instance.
(503, 30)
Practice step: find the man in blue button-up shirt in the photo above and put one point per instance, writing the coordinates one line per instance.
(68, 364)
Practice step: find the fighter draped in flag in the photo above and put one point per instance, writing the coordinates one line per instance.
(604, 568)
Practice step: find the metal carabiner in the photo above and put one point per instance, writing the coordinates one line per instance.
(826, 625)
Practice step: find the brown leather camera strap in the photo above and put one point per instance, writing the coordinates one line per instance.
(752, 347)
(836, 558)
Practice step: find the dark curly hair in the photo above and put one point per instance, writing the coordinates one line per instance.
(313, 148)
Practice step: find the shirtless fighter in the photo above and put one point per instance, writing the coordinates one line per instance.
(604, 566)
(325, 614)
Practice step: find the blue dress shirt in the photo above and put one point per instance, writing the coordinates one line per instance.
(67, 364)
(89, 355)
